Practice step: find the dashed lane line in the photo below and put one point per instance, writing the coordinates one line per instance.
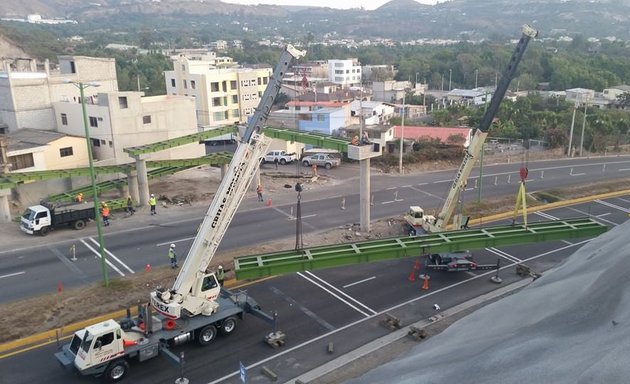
(339, 291)
(333, 294)
(114, 257)
(98, 254)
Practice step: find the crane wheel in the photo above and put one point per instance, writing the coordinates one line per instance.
(116, 371)
(207, 335)
(228, 326)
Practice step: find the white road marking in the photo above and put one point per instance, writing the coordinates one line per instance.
(114, 257)
(390, 188)
(359, 282)
(624, 200)
(421, 184)
(427, 193)
(405, 186)
(174, 241)
(611, 205)
(503, 254)
(98, 254)
(12, 274)
(333, 294)
(567, 242)
(389, 202)
(546, 216)
(350, 325)
(577, 174)
(340, 291)
(604, 214)
(589, 215)
(624, 169)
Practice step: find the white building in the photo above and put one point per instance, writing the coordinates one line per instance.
(390, 91)
(346, 73)
(223, 95)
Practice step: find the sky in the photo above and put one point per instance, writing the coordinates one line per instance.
(367, 4)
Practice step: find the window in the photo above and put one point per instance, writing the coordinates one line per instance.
(236, 113)
(64, 119)
(224, 86)
(104, 340)
(338, 72)
(65, 152)
(96, 142)
(218, 116)
(209, 282)
(193, 85)
(259, 81)
(216, 101)
(21, 161)
(233, 84)
(234, 99)
(110, 143)
(93, 121)
(183, 67)
(122, 102)
(185, 84)
(146, 119)
(103, 142)
(73, 68)
(173, 83)
(320, 117)
(214, 87)
(265, 80)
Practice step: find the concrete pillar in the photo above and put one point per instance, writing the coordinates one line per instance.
(143, 181)
(5, 212)
(132, 185)
(224, 169)
(364, 194)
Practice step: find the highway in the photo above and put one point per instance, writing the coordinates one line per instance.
(340, 305)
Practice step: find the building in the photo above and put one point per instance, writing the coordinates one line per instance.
(446, 135)
(390, 91)
(613, 92)
(313, 118)
(346, 73)
(28, 90)
(39, 150)
(373, 112)
(223, 95)
(477, 96)
(118, 120)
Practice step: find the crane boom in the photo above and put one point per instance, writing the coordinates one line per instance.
(195, 290)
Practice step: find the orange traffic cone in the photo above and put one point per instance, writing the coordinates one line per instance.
(412, 275)
(416, 266)
(128, 343)
(59, 287)
(147, 268)
(269, 202)
(425, 284)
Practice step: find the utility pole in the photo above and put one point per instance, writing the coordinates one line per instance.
(570, 151)
(402, 137)
(476, 77)
(583, 126)
(450, 76)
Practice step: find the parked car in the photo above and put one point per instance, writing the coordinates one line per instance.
(321, 160)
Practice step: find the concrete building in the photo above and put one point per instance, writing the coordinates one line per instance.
(223, 95)
(346, 73)
(28, 91)
(118, 120)
(477, 96)
(326, 120)
(390, 91)
(39, 150)
(373, 112)
(613, 92)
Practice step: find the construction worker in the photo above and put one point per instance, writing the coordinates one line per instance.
(152, 204)
(436, 307)
(172, 256)
(130, 209)
(220, 275)
(105, 214)
(355, 140)
(259, 192)
(79, 197)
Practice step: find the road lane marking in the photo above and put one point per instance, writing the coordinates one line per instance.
(503, 254)
(333, 294)
(98, 254)
(624, 200)
(175, 241)
(391, 201)
(114, 257)
(303, 309)
(590, 215)
(566, 242)
(624, 169)
(546, 216)
(12, 274)
(427, 193)
(611, 205)
(411, 301)
(339, 291)
(72, 266)
(359, 282)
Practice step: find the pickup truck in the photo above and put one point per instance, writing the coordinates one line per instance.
(282, 157)
(321, 160)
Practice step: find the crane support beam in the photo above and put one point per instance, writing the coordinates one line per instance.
(329, 256)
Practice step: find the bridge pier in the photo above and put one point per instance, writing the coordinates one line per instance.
(364, 194)
(143, 181)
(5, 212)
(224, 169)
(132, 185)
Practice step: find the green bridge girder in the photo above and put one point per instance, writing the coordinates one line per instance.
(311, 138)
(329, 256)
(178, 141)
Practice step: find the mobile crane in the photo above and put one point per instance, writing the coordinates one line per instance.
(418, 222)
(196, 307)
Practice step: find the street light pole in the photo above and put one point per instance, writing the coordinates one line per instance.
(450, 76)
(583, 126)
(402, 135)
(99, 226)
(476, 77)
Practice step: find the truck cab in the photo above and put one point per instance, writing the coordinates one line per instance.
(418, 222)
(35, 218)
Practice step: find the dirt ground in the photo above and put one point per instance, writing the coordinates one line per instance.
(72, 305)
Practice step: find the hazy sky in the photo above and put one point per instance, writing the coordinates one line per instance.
(367, 4)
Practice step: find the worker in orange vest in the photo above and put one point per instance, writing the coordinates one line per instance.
(105, 214)
(259, 192)
(79, 197)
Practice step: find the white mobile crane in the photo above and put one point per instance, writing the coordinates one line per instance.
(418, 222)
(196, 307)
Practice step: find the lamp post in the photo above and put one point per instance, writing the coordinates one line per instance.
(476, 77)
(99, 225)
(450, 76)
(402, 136)
(583, 126)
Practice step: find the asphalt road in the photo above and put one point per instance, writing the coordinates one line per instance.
(27, 270)
(342, 305)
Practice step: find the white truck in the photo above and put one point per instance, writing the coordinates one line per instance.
(42, 218)
(417, 221)
(196, 307)
(281, 156)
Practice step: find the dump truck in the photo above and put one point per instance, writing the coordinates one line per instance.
(42, 218)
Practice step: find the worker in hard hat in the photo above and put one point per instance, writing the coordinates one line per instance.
(220, 275)
(152, 204)
(79, 197)
(172, 256)
(105, 214)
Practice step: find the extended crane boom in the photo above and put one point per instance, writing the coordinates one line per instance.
(195, 290)
(426, 223)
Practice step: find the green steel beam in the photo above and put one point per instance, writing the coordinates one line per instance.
(328, 256)
(178, 141)
(315, 139)
(18, 177)
(215, 159)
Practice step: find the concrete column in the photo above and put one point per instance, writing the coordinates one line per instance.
(364, 194)
(224, 169)
(143, 181)
(132, 185)
(5, 212)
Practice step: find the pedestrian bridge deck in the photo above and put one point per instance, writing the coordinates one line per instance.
(329, 256)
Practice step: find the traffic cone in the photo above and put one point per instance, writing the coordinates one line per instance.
(59, 287)
(412, 275)
(425, 284)
(147, 268)
(416, 266)
(269, 202)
